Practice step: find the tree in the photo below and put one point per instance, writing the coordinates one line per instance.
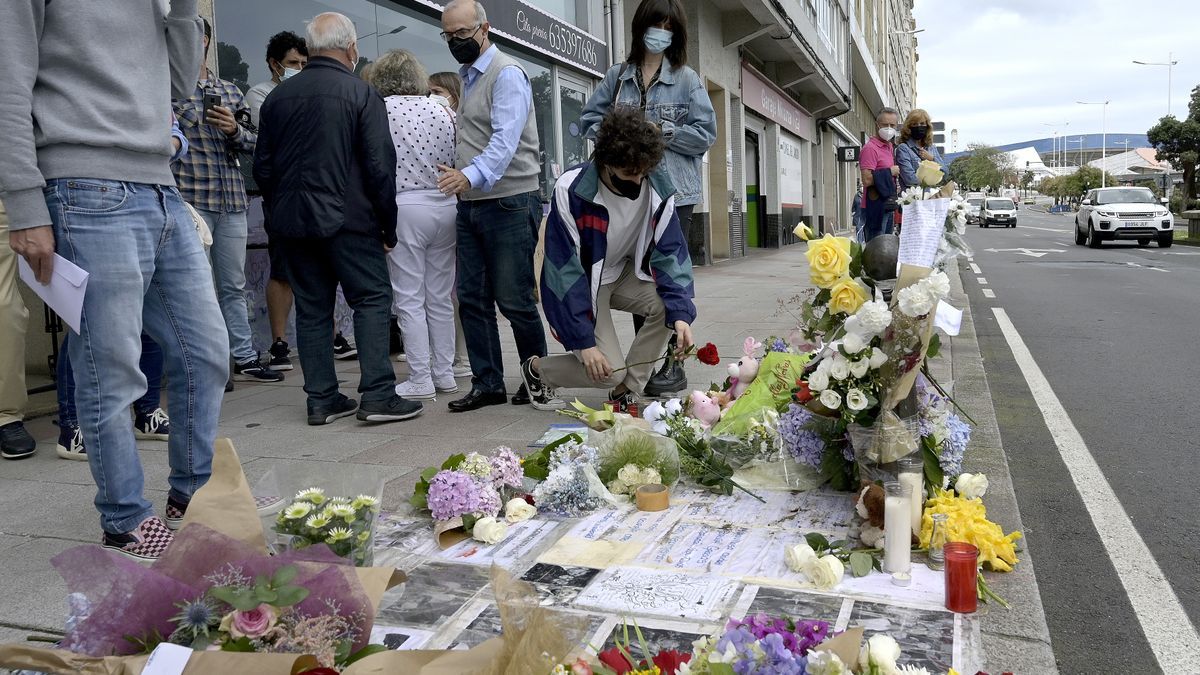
(232, 66)
(1086, 178)
(985, 165)
(1054, 186)
(1026, 180)
(1178, 142)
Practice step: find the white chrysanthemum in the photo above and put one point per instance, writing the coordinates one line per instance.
(365, 502)
(313, 495)
(873, 317)
(630, 474)
(476, 465)
(916, 300)
(651, 476)
(338, 534)
(343, 511)
(318, 522)
(938, 284)
(297, 511)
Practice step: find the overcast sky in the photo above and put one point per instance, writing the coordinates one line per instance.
(996, 69)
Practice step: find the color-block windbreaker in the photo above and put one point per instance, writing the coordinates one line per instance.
(577, 241)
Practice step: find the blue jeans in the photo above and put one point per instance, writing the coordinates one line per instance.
(496, 238)
(228, 256)
(151, 365)
(359, 263)
(147, 272)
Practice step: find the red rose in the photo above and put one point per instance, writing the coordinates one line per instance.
(528, 499)
(613, 658)
(802, 394)
(319, 671)
(670, 660)
(708, 355)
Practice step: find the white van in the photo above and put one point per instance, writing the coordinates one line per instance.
(998, 211)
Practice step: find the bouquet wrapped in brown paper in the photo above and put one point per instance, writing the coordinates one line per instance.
(215, 590)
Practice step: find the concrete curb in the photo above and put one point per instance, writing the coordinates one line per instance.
(1016, 640)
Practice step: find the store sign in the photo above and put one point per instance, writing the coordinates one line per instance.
(760, 95)
(847, 153)
(545, 33)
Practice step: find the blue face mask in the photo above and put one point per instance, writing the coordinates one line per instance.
(657, 39)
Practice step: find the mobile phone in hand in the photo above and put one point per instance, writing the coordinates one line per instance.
(211, 101)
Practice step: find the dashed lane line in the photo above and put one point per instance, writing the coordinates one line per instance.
(981, 280)
(989, 293)
(975, 269)
(1170, 632)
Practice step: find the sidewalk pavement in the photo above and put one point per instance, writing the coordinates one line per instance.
(48, 501)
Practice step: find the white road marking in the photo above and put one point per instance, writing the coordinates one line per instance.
(1166, 625)
(1044, 229)
(989, 293)
(1031, 252)
(1059, 243)
(975, 268)
(981, 280)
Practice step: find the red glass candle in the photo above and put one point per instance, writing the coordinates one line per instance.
(962, 569)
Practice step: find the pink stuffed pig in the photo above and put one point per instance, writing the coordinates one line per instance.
(705, 409)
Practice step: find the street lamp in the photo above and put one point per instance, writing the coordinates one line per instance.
(1054, 148)
(1103, 134)
(1170, 64)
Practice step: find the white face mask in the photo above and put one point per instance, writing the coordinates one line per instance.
(887, 133)
(288, 72)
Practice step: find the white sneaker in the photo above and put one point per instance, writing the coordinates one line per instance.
(416, 392)
(462, 369)
(448, 386)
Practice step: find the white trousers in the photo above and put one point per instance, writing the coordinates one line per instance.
(422, 268)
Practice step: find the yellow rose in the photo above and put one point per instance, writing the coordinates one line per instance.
(847, 295)
(929, 173)
(828, 259)
(803, 232)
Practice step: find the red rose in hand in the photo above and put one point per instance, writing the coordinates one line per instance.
(319, 671)
(670, 660)
(613, 658)
(802, 394)
(708, 355)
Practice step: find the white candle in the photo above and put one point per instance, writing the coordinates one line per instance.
(916, 483)
(897, 527)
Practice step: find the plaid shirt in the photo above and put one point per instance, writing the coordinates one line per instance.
(209, 176)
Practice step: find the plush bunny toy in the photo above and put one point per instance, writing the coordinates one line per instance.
(705, 409)
(742, 373)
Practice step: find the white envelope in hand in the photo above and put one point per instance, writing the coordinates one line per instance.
(64, 294)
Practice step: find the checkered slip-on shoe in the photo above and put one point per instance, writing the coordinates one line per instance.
(174, 513)
(268, 504)
(146, 543)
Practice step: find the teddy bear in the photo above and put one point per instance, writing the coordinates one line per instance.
(869, 505)
(742, 373)
(705, 409)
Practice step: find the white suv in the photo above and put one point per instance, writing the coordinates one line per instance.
(1123, 213)
(1000, 211)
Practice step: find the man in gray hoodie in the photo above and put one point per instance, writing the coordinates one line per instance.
(85, 137)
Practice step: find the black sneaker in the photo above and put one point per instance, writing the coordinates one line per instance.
(540, 396)
(280, 356)
(146, 543)
(175, 512)
(228, 385)
(155, 426)
(15, 441)
(393, 409)
(70, 443)
(255, 371)
(344, 405)
(342, 349)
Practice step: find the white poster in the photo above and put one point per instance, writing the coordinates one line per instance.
(791, 171)
(636, 591)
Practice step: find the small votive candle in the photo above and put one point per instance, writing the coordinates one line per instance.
(962, 570)
(912, 474)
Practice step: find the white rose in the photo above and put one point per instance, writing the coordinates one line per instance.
(618, 487)
(651, 476)
(653, 412)
(856, 400)
(489, 530)
(873, 317)
(518, 509)
(825, 663)
(880, 651)
(878, 358)
(826, 572)
(840, 369)
(916, 300)
(630, 475)
(853, 343)
(938, 284)
(860, 367)
(798, 556)
(818, 381)
(674, 406)
(830, 399)
(971, 485)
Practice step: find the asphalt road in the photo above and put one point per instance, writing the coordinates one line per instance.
(1114, 331)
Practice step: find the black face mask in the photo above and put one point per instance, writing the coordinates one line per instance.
(464, 50)
(918, 132)
(626, 188)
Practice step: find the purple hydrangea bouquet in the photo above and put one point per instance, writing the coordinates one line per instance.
(471, 491)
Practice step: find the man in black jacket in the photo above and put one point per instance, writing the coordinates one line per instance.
(327, 169)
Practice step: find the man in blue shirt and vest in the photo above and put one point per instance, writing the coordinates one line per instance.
(496, 179)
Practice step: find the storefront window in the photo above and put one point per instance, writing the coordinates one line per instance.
(243, 29)
(563, 9)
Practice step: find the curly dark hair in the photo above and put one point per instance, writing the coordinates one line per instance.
(283, 42)
(626, 140)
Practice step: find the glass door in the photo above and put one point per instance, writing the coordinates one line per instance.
(573, 92)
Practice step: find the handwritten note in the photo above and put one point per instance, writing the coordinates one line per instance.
(630, 590)
(924, 223)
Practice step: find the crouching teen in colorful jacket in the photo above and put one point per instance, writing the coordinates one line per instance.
(613, 242)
